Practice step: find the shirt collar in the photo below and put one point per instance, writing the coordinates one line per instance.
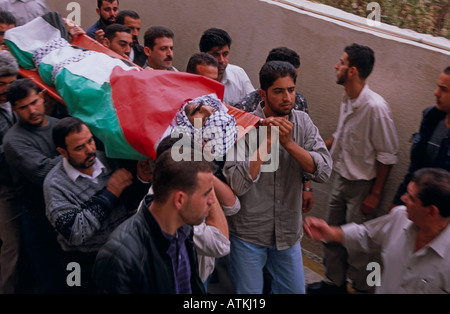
(439, 244)
(74, 173)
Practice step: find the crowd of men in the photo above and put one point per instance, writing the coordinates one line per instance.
(158, 226)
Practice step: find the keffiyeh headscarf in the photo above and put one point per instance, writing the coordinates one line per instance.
(218, 134)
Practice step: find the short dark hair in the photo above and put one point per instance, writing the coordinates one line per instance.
(7, 18)
(20, 89)
(284, 54)
(200, 58)
(447, 70)
(273, 70)
(112, 29)
(156, 32)
(361, 57)
(170, 175)
(64, 127)
(8, 64)
(100, 2)
(434, 188)
(214, 37)
(120, 18)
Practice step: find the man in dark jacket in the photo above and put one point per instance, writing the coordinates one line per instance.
(431, 145)
(152, 252)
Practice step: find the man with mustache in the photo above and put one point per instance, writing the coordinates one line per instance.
(158, 46)
(107, 10)
(30, 154)
(431, 145)
(132, 20)
(83, 196)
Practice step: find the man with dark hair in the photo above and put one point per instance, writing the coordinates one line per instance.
(152, 252)
(364, 149)
(132, 20)
(30, 154)
(83, 196)
(203, 64)
(431, 145)
(107, 11)
(10, 212)
(7, 21)
(217, 42)
(267, 230)
(158, 47)
(413, 238)
(118, 39)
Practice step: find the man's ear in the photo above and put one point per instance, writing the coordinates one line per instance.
(263, 94)
(98, 11)
(106, 42)
(147, 51)
(179, 199)
(62, 151)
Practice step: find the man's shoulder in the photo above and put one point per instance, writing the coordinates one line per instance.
(93, 28)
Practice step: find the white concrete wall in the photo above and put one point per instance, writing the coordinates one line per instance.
(405, 72)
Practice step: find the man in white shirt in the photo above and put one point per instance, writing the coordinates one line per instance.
(413, 239)
(217, 43)
(364, 148)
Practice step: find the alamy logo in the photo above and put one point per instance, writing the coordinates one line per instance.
(75, 14)
(374, 277)
(374, 18)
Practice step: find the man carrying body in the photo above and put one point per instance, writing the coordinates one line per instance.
(267, 230)
(30, 154)
(158, 46)
(82, 194)
(152, 252)
(118, 39)
(107, 11)
(132, 20)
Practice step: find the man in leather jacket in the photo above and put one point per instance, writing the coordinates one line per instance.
(152, 251)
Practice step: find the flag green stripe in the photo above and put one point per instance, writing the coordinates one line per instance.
(92, 103)
(24, 58)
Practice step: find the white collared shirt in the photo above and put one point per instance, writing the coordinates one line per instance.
(237, 84)
(365, 134)
(74, 173)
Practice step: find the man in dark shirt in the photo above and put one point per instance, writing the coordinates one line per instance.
(31, 154)
(107, 10)
(152, 252)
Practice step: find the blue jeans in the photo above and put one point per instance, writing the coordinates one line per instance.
(247, 260)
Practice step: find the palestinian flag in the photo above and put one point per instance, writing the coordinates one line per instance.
(127, 108)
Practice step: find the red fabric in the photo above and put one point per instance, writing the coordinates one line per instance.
(146, 102)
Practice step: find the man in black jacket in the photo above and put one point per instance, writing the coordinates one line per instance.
(152, 252)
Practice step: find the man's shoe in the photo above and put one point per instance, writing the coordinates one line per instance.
(323, 287)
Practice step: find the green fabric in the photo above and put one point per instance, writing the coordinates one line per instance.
(24, 58)
(92, 103)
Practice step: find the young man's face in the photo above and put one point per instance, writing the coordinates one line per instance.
(222, 55)
(342, 69)
(199, 202)
(442, 93)
(161, 56)
(121, 43)
(31, 109)
(280, 97)
(134, 25)
(4, 83)
(108, 12)
(80, 149)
